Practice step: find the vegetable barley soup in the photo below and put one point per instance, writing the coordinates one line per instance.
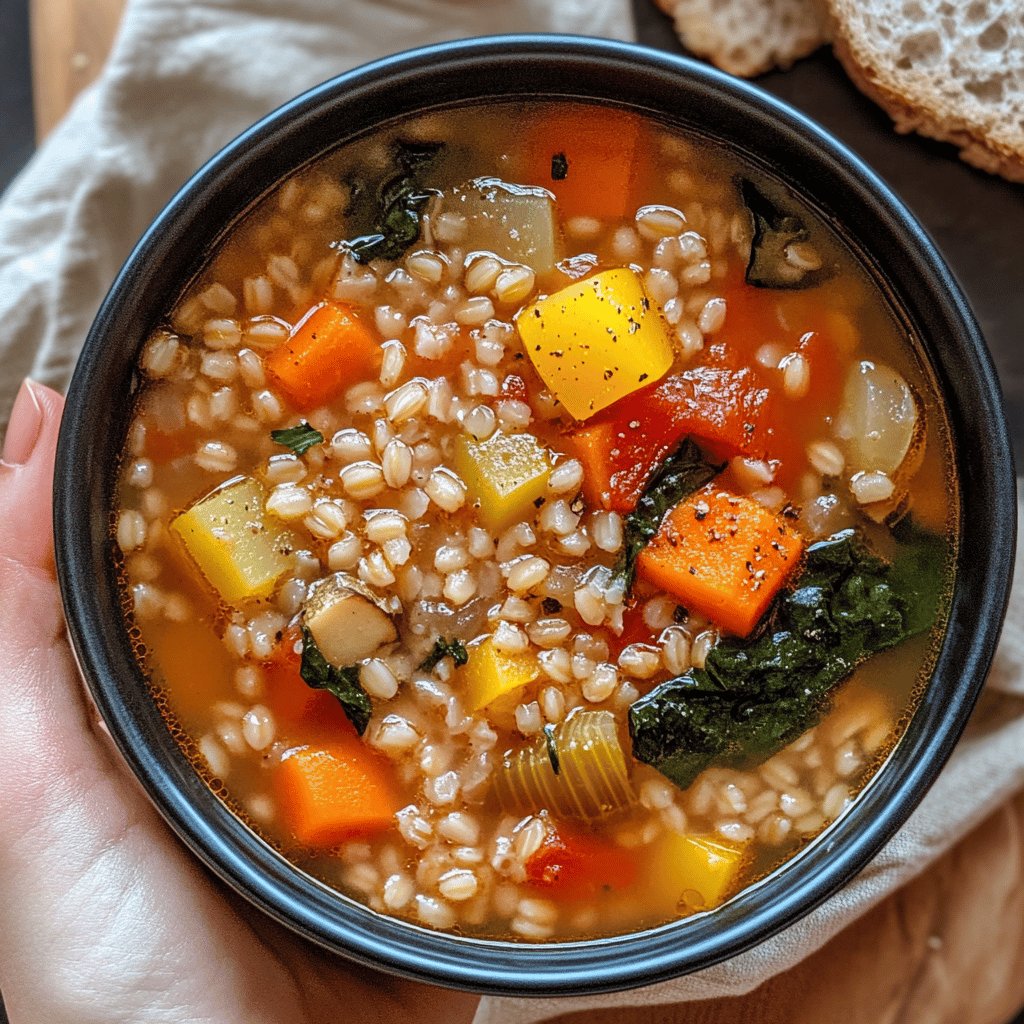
(538, 535)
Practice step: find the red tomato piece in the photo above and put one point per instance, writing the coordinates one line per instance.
(575, 865)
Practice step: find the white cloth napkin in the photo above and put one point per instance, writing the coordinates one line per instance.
(183, 79)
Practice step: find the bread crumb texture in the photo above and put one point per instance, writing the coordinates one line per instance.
(748, 37)
(949, 69)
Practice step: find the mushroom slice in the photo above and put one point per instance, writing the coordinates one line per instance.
(347, 620)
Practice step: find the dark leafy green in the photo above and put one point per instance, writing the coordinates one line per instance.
(774, 229)
(551, 741)
(401, 201)
(682, 473)
(299, 438)
(342, 683)
(442, 649)
(755, 695)
(559, 167)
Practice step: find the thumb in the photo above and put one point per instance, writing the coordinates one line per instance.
(26, 479)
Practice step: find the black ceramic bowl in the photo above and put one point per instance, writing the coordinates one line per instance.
(678, 91)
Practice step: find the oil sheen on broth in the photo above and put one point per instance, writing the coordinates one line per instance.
(536, 537)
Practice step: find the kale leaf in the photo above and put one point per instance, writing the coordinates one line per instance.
(342, 683)
(755, 695)
(774, 230)
(442, 649)
(683, 472)
(401, 201)
(299, 438)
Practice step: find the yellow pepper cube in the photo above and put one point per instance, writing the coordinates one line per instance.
(505, 475)
(596, 341)
(237, 547)
(490, 674)
(694, 871)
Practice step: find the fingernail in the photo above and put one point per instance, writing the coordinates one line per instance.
(24, 428)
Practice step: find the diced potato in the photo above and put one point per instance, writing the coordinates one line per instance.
(596, 341)
(693, 872)
(505, 475)
(346, 620)
(490, 674)
(237, 547)
(515, 222)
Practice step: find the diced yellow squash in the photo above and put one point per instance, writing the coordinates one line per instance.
(490, 674)
(235, 544)
(693, 872)
(504, 475)
(596, 341)
(514, 222)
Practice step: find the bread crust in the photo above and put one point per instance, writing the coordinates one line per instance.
(914, 114)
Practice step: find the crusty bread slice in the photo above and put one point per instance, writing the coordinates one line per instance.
(949, 69)
(747, 37)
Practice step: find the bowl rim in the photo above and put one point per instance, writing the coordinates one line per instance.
(794, 149)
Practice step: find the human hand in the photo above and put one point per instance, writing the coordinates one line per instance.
(104, 917)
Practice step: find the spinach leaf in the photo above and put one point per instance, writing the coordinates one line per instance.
(299, 438)
(342, 683)
(442, 649)
(755, 695)
(401, 201)
(683, 472)
(774, 230)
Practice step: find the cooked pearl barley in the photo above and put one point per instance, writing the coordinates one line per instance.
(509, 638)
(374, 569)
(528, 719)
(266, 332)
(826, 458)
(601, 684)
(384, 524)
(442, 790)
(873, 485)
(216, 757)
(689, 338)
(267, 406)
(249, 681)
(362, 480)
(288, 501)
(377, 679)
(661, 285)
(656, 794)
(566, 477)
(474, 311)
(796, 375)
(712, 316)
(549, 632)
(222, 334)
(481, 274)
(398, 891)
(558, 518)
(479, 422)
(131, 530)
(396, 463)
(450, 227)
(459, 827)
(702, 644)
(606, 530)
(459, 587)
(258, 727)
(625, 244)
(406, 401)
(655, 222)
(528, 573)
(427, 266)
(392, 363)
(160, 356)
(434, 912)
(344, 553)
(216, 457)
(514, 284)
(639, 661)
(327, 520)
(395, 735)
(445, 490)
(675, 649)
(458, 884)
(350, 445)
(390, 321)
